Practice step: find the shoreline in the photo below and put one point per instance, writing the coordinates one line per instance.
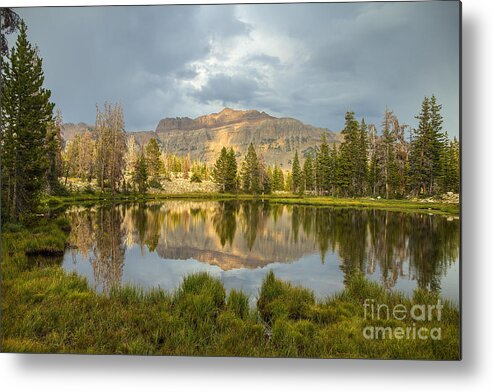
(395, 205)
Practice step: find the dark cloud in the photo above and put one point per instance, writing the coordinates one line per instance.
(310, 61)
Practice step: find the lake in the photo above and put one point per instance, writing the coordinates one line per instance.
(156, 244)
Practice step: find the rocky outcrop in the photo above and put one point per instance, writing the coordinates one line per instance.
(225, 117)
(276, 139)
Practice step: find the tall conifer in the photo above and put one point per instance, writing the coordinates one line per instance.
(26, 113)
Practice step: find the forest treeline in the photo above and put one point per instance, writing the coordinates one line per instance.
(368, 162)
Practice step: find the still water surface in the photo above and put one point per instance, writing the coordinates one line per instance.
(157, 244)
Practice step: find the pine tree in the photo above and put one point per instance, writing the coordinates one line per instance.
(26, 114)
(437, 142)
(426, 148)
(297, 175)
(449, 180)
(277, 179)
(348, 156)
(231, 171)
(153, 160)
(140, 173)
(250, 173)
(308, 174)
(220, 169)
(323, 169)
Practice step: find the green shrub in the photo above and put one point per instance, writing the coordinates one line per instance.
(279, 299)
(155, 184)
(203, 284)
(195, 178)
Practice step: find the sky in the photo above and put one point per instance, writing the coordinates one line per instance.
(312, 62)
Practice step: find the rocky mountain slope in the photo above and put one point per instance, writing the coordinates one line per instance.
(203, 137)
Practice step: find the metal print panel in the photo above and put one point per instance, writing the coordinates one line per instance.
(266, 180)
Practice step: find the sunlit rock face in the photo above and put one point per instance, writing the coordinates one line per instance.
(202, 138)
(275, 139)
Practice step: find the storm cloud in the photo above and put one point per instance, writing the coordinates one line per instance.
(309, 61)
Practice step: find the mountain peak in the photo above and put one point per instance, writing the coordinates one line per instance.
(225, 117)
(228, 111)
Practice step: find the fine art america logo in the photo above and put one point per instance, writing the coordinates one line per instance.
(417, 314)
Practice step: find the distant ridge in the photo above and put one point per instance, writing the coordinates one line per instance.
(202, 138)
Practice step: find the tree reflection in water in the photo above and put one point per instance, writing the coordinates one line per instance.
(251, 234)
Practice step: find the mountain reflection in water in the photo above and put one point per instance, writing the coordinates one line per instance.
(236, 240)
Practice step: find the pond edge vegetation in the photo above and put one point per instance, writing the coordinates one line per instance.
(403, 205)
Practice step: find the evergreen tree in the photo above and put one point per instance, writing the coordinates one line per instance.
(308, 174)
(323, 171)
(297, 175)
(231, 171)
(335, 169)
(140, 173)
(219, 172)
(450, 167)
(348, 156)
(277, 179)
(426, 148)
(437, 143)
(153, 160)
(288, 185)
(250, 173)
(26, 114)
